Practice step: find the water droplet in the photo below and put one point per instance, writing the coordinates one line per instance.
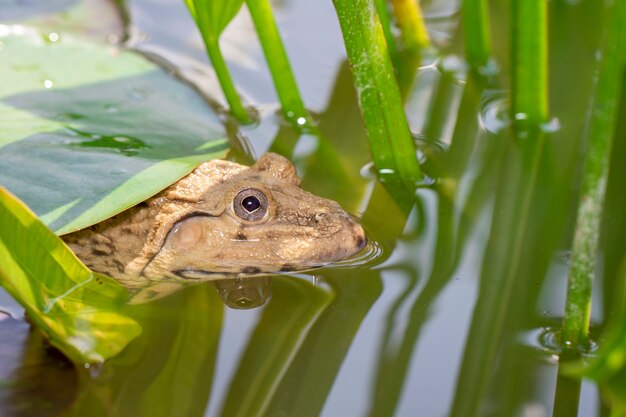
(301, 121)
(386, 171)
(137, 94)
(521, 116)
(290, 114)
(549, 338)
(122, 139)
(551, 126)
(69, 116)
(426, 181)
(367, 170)
(598, 55)
(494, 114)
(18, 30)
(86, 366)
(53, 37)
(111, 108)
(48, 83)
(453, 64)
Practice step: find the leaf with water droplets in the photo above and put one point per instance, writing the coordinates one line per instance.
(89, 130)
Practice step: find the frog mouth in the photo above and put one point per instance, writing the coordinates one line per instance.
(201, 275)
(198, 274)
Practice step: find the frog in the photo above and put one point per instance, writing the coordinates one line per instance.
(222, 220)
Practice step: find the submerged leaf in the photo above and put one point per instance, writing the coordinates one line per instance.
(76, 309)
(88, 130)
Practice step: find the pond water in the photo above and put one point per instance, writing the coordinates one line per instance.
(455, 306)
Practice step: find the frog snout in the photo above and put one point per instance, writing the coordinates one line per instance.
(359, 235)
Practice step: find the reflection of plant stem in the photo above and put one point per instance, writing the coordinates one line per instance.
(477, 33)
(530, 62)
(234, 101)
(506, 259)
(276, 57)
(599, 135)
(394, 359)
(567, 393)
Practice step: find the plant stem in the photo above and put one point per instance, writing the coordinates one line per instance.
(413, 33)
(477, 32)
(234, 101)
(382, 8)
(412, 40)
(391, 143)
(530, 62)
(600, 133)
(276, 57)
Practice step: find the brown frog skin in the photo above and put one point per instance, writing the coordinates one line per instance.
(221, 220)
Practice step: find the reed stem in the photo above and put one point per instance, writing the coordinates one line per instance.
(530, 63)
(599, 135)
(410, 21)
(223, 75)
(391, 143)
(276, 57)
(477, 32)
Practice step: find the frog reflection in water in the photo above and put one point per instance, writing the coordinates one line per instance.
(244, 292)
(222, 220)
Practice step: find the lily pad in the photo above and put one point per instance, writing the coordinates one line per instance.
(76, 309)
(88, 130)
(96, 19)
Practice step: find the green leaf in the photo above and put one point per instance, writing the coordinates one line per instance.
(89, 130)
(76, 309)
(212, 16)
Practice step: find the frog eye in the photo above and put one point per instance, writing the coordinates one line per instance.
(250, 204)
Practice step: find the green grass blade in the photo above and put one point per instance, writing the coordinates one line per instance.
(477, 32)
(392, 146)
(77, 310)
(600, 134)
(530, 62)
(276, 58)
